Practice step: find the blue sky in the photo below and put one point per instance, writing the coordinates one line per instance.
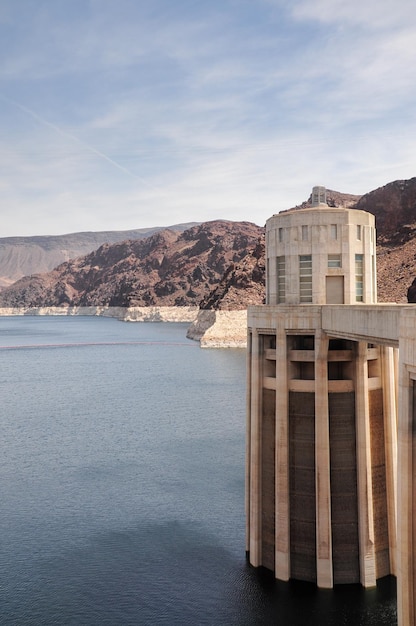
(119, 114)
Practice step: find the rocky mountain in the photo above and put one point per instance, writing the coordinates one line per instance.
(394, 206)
(22, 256)
(242, 284)
(165, 269)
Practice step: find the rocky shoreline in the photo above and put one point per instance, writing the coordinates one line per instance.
(126, 314)
(220, 329)
(213, 329)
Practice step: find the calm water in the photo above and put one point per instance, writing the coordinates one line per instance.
(122, 485)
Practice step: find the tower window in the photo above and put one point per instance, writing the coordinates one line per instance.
(305, 278)
(359, 277)
(280, 235)
(334, 231)
(359, 232)
(281, 279)
(334, 260)
(305, 233)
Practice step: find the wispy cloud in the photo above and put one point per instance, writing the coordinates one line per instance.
(372, 15)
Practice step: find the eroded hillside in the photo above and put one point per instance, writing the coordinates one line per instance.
(23, 256)
(166, 269)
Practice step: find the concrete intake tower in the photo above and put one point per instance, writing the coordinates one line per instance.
(327, 366)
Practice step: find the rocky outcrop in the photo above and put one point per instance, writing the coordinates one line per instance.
(394, 207)
(166, 269)
(411, 292)
(220, 329)
(396, 269)
(23, 256)
(222, 320)
(242, 284)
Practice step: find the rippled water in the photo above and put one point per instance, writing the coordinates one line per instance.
(122, 485)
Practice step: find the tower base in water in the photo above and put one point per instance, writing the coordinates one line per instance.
(331, 410)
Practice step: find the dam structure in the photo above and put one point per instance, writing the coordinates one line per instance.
(331, 410)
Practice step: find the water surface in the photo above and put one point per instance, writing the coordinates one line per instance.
(122, 491)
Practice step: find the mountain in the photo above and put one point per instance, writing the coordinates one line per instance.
(165, 269)
(394, 207)
(22, 256)
(242, 284)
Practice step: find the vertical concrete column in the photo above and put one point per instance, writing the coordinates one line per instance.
(364, 477)
(389, 383)
(396, 378)
(282, 514)
(255, 450)
(248, 437)
(322, 464)
(406, 557)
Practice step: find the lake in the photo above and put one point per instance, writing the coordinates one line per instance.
(122, 490)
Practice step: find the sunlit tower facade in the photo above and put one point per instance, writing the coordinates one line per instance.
(321, 407)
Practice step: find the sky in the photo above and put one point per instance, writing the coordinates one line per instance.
(121, 114)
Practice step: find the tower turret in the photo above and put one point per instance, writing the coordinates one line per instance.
(321, 255)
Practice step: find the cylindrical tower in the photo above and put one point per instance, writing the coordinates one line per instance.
(321, 255)
(321, 413)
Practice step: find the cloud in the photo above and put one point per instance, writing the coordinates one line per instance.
(373, 15)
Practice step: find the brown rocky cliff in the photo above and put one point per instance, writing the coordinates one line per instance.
(243, 283)
(394, 207)
(166, 269)
(22, 256)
